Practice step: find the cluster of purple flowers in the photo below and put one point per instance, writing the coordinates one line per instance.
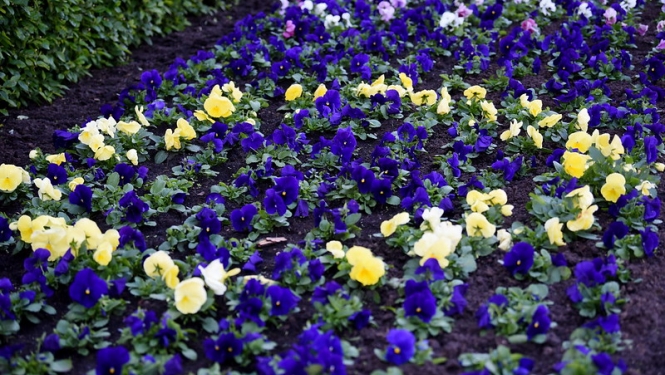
(313, 348)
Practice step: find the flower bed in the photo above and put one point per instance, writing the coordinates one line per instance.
(354, 187)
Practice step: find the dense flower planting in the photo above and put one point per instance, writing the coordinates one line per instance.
(365, 208)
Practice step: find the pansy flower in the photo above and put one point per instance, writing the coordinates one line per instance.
(81, 196)
(282, 300)
(343, 144)
(402, 346)
(226, 347)
(419, 301)
(540, 322)
(519, 259)
(111, 360)
(87, 288)
(241, 218)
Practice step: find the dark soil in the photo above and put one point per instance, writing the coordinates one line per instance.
(641, 321)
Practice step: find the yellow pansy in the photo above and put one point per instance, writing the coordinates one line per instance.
(583, 196)
(584, 219)
(218, 106)
(76, 238)
(615, 187)
(103, 254)
(364, 89)
(27, 226)
(580, 140)
(170, 276)
(202, 116)
(91, 231)
(320, 91)
(190, 295)
(53, 239)
(535, 136)
(524, 101)
(583, 119)
(368, 271)
(56, 158)
(139, 114)
(357, 253)
(444, 107)
(388, 227)
(505, 239)
(489, 110)
(424, 97)
(293, 92)
(129, 128)
(336, 249)
(75, 182)
(535, 107)
(227, 87)
(104, 152)
(172, 139)
(554, 233)
(133, 157)
(550, 120)
(407, 82)
(107, 125)
(46, 190)
(507, 210)
(262, 279)
(514, 131)
(11, 177)
(475, 92)
(187, 132)
(86, 135)
(431, 245)
(497, 196)
(614, 150)
(112, 237)
(157, 263)
(575, 164)
(96, 142)
(445, 94)
(478, 225)
(645, 186)
(474, 196)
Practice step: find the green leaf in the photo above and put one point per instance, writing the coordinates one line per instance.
(517, 339)
(393, 200)
(63, 365)
(352, 219)
(161, 156)
(210, 325)
(113, 179)
(189, 354)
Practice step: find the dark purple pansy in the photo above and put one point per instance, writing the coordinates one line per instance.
(57, 174)
(111, 360)
(282, 300)
(82, 197)
(87, 288)
(241, 218)
(224, 348)
(540, 322)
(419, 301)
(402, 346)
(519, 259)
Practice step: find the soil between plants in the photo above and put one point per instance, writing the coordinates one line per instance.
(641, 320)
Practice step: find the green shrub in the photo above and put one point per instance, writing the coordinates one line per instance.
(46, 44)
